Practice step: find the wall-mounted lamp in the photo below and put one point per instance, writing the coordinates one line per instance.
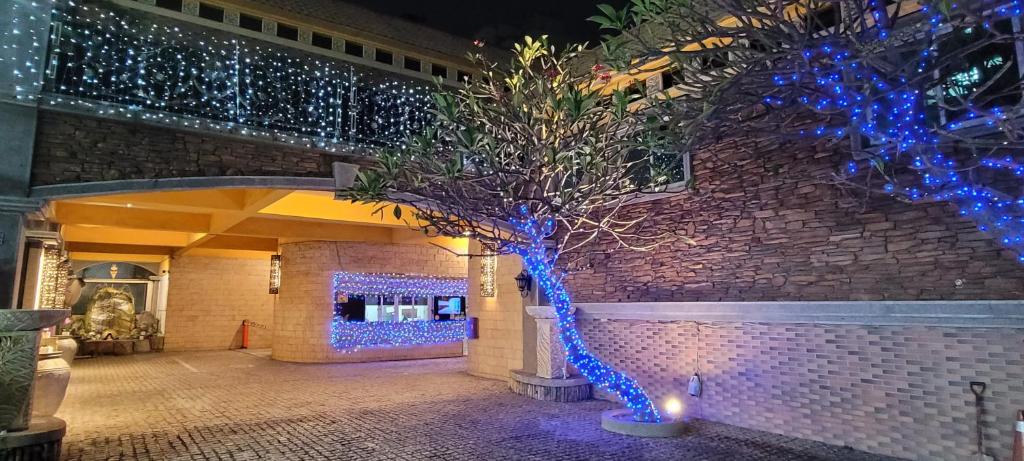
(524, 282)
(488, 270)
(275, 274)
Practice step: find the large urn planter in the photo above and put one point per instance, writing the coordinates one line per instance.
(52, 377)
(68, 347)
(19, 348)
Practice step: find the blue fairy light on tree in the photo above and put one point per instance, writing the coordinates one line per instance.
(921, 100)
(534, 160)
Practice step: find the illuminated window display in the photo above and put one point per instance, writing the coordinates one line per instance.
(384, 310)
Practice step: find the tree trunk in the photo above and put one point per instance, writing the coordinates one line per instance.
(541, 267)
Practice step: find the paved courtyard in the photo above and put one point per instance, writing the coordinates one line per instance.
(234, 405)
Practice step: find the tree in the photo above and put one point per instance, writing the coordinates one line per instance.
(531, 161)
(922, 97)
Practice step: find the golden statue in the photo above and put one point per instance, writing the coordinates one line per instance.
(110, 314)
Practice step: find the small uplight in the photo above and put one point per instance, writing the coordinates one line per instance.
(674, 407)
(129, 205)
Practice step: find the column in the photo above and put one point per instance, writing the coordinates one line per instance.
(551, 359)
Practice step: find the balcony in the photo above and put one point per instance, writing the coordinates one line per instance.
(115, 61)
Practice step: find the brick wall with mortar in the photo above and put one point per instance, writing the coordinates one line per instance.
(766, 228)
(304, 311)
(75, 148)
(894, 390)
(500, 345)
(209, 297)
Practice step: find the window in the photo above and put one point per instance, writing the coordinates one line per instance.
(636, 91)
(169, 4)
(413, 64)
(322, 41)
(250, 22)
(438, 71)
(823, 18)
(383, 56)
(287, 32)
(463, 76)
(213, 13)
(668, 79)
(986, 77)
(353, 48)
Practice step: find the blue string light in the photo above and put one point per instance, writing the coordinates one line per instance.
(115, 63)
(540, 264)
(399, 284)
(892, 113)
(354, 336)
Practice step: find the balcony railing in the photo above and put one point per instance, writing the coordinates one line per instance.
(123, 61)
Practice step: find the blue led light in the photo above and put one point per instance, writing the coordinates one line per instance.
(539, 263)
(399, 284)
(354, 336)
(892, 112)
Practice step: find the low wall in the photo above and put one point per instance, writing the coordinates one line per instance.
(885, 377)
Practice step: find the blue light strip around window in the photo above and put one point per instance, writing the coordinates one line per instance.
(399, 285)
(353, 336)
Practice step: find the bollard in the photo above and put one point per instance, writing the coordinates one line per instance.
(245, 334)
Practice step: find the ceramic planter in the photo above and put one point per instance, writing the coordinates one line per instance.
(52, 377)
(19, 348)
(68, 347)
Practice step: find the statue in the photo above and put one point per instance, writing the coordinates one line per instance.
(110, 314)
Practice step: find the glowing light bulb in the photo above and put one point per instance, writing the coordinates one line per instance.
(674, 407)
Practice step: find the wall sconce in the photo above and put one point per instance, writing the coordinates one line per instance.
(524, 282)
(275, 274)
(488, 270)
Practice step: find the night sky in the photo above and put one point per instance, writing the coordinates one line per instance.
(500, 23)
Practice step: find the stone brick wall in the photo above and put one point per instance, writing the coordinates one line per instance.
(894, 390)
(302, 319)
(500, 318)
(74, 148)
(767, 229)
(209, 297)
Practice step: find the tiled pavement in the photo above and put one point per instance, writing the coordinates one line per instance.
(230, 405)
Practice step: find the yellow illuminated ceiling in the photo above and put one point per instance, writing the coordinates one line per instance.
(235, 222)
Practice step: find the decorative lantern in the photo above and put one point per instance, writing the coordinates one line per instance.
(524, 282)
(488, 269)
(275, 274)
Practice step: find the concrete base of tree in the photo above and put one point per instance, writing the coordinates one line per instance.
(621, 422)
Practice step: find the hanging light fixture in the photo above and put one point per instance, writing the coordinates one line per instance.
(524, 281)
(488, 270)
(275, 274)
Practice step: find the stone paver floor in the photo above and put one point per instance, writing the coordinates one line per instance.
(231, 405)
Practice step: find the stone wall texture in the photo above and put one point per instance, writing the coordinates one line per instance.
(74, 148)
(767, 228)
(209, 297)
(893, 390)
(305, 308)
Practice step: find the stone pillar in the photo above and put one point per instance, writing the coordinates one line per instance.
(13, 213)
(25, 30)
(551, 359)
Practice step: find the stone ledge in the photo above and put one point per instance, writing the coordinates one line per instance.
(40, 442)
(976, 314)
(553, 390)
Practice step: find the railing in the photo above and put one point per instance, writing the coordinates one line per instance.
(115, 60)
